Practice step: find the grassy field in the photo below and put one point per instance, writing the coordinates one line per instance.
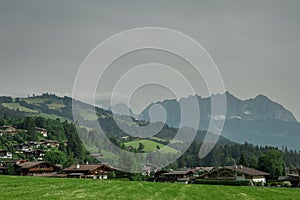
(34, 100)
(12, 187)
(55, 106)
(15, 106)
(150, 146)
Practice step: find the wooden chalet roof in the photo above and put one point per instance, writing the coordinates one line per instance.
(204, 168)
(177, 173)
(73, 168)
(27, 165)
(88, 167)
(289, 177)
(247, 170)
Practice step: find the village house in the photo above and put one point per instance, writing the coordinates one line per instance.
(34, 144)
(173, 176)
(95, 171)
(4, 165)
(202, 170)
(3, 169)
(293, 178)
(42, 131)
(8, 130)
(36, 168)
(50, 143)
(36, 154)
(178, 176)
(236, 173)
(146, 171)
(20, 148)
(5, 154)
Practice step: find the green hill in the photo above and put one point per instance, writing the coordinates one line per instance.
(51, 106)
(150, 146)
(12, 187)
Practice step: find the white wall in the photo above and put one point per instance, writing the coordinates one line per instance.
(259, 180)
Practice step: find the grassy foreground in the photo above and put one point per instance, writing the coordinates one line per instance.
(13, 187)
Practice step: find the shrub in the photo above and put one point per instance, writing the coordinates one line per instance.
(286, 184)
(273, 184)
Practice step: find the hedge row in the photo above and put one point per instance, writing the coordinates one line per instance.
(224, 182)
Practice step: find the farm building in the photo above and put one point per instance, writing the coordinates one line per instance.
(173, 176)
(96, 171)
(293, 178)
(146, 170)
(8, 130)
(5, 154)
(36, 168)
(236, 173)
(42, 131)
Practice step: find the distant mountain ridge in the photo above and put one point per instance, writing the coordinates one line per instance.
(258, 108)
(258, 120)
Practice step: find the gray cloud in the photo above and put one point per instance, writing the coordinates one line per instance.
(256, 44)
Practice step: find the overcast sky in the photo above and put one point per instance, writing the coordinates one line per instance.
(255, 44)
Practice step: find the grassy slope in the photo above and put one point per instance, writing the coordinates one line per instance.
(12, 187)
(57, 104)
(15, 106)
(150, 146)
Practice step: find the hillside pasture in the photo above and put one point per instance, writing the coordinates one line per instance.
(151, 146)
(15, 106)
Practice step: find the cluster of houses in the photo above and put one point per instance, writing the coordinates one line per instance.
(8, 130)
(184, 175)
(13, 130)
(34, 149)
(226, 173)
(210, 173)
(293, 178)
(45, 169)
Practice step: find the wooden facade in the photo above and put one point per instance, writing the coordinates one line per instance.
(36, 168)
(96, 171)
(173, 176)
(236, 173)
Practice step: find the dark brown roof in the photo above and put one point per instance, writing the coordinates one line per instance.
(246, 170)
(178, 173)
(73, 168)
(204, 168)
(30, 164)
(289, 177)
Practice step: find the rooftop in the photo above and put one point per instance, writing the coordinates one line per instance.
(247, 170)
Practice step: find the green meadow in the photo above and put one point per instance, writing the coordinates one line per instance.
(16, 187)
(150, 146)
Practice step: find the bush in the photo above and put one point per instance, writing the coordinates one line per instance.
(286, 184)
(273, 184)
(224, 182)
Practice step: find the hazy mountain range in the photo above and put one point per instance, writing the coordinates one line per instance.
(258, 120)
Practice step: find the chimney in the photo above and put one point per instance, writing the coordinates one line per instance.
(77, 166)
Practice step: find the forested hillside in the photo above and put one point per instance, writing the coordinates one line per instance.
(54, 114)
